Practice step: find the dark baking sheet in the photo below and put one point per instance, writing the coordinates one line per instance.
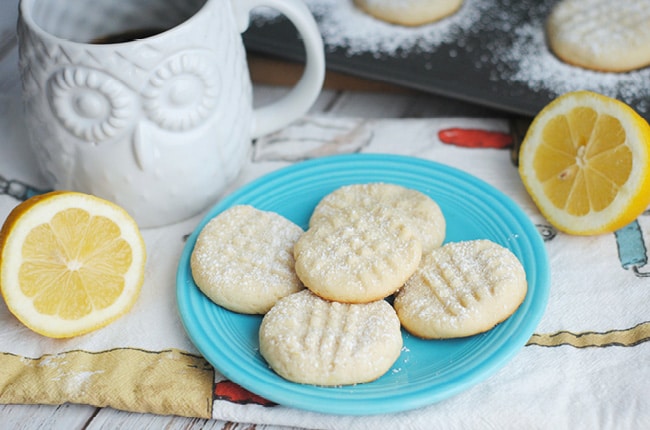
(498, 59)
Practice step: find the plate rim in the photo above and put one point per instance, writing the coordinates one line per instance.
(372, 406)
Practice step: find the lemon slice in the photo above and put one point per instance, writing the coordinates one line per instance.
(585, 162)
(70, 263)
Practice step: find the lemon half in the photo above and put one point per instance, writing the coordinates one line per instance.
(585, 161)
(70, 263)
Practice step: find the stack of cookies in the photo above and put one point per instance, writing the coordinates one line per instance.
(322, 291)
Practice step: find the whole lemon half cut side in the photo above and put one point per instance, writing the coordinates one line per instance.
(585, 161)
(70, 263)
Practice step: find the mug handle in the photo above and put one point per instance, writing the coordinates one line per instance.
(302, 96)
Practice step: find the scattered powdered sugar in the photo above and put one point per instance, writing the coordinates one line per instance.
(537, 67)
(342, 24)
(77, 381)
(506, 39)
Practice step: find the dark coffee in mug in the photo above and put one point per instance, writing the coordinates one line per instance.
(127, 36)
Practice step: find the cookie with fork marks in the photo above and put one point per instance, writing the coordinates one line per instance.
(243, 259)
(418, 209)
(601, 35)
(461, 289)
(357, 255)
(310, 340)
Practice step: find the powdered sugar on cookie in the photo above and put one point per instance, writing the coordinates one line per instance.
(363, 244)
(420, 211)
(601, 34)
(310, 340)
(357, 255)
(243, 259)
(461, 289)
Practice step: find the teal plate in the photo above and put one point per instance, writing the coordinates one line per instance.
(427, 371)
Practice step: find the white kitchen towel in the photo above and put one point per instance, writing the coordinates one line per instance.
(586, 366)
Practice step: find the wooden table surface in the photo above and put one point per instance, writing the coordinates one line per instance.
(343, 96)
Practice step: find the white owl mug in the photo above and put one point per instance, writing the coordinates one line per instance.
(160, 123)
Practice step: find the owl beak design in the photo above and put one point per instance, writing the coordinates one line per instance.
(143, 153)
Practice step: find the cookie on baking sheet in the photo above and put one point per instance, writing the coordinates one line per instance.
(243, 259)
(310, 340)
(601, 35)
(461, 289)
(419, 210)
(357, 255)
(409, 12)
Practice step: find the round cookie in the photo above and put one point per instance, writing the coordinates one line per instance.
(357, 256)
(461, 289)
(601, 35)
(310, 340)
(419, 210)
(243, 259)
(409, 12)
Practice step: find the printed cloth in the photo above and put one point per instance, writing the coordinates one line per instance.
(586, 366)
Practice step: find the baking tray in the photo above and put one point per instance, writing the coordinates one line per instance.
(490, 52)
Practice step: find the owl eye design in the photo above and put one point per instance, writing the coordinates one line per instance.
(90, 104)
(182, 92)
